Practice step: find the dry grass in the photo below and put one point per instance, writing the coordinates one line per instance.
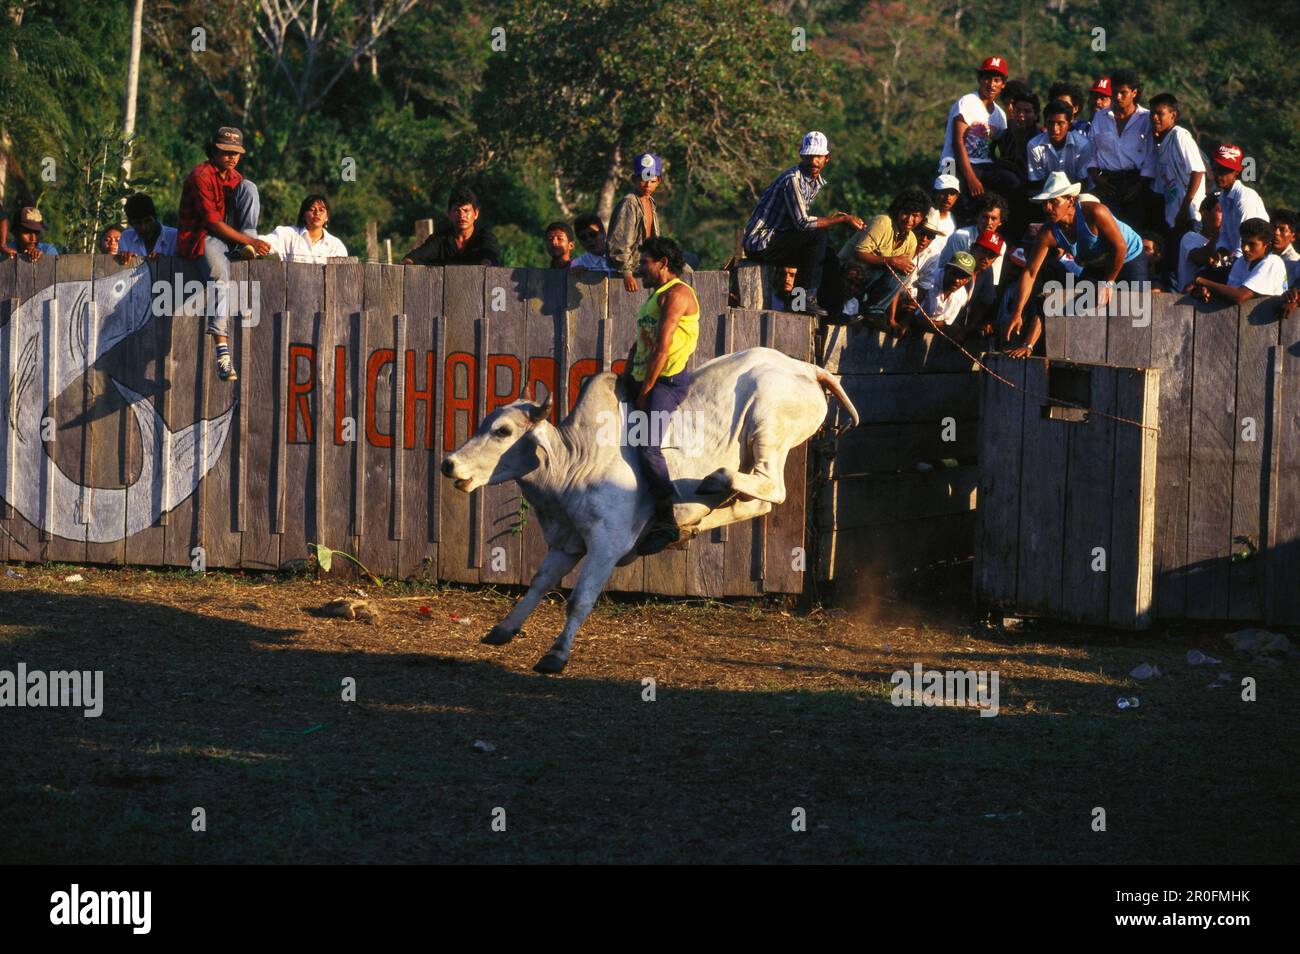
(223, 691)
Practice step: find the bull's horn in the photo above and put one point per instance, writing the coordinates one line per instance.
(541, 411)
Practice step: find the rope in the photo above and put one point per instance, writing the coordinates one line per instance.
(1061, 402)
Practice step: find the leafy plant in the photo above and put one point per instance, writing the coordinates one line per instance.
(325, 560)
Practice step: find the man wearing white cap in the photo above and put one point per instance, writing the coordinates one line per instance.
(943, 197)
(783, 231)
(1081, 225)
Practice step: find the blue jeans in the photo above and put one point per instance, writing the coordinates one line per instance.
(667, 394)
(242, 214)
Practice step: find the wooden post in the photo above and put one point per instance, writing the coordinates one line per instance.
(423, 229)
(372, 241)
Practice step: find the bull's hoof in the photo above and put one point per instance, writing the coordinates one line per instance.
(498, 635)
(550, 664)
(716, 483)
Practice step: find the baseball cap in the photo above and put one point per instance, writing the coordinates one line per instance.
(964, 262)
(991, 241)
(1102, 86)
(229, 139)
(30, 219)
(815, 144)
(648, 166)
(994, 64)
(1018, 256)
(1228, 156)
(947, 183)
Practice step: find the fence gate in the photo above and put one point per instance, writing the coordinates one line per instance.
(1067, 466)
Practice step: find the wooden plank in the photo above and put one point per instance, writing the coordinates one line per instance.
(901, 398)
(744, 541)
(110, 425)
(190, 357)
(859, 563)
(382, 427)
(220, 489)
(751, 284)
(422, 298)
(621, 315)
(863, 350)
(706, 553)
(1258, 329)
(1056, 336)
(1091, 481)
(1087, 338)
(1137, 394)
(70, 451)
(261, 392)
(24, 539)
(786, 544)
(997, 522)
(873, 499)
(1213, 437)
(1042, 499)
(304, 303)
(1171, 353)
(145, 354)
(1283, 598)
(463, 289)
(1128, 340)
(339, 361)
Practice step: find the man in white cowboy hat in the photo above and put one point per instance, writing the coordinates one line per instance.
(1079, 224)
(783, 231)
(930, 243)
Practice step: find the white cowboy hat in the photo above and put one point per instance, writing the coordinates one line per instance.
(1058, 184)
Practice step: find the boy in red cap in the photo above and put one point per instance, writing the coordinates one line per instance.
(974, 122)
(1239, 202)
(1099, 98)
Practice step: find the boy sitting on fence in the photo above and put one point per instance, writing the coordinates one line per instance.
(1259, 270)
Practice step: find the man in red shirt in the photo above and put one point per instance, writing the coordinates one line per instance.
(218, 214)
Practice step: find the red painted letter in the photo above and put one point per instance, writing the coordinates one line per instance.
(451, 403)
(413, 394)
(377, 360)
(298, 391)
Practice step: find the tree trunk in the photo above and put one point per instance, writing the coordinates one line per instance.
(609, 188)
(132, 84)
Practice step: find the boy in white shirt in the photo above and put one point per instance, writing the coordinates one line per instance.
(1239, 202)
(944, 306)
(1192, 242)
(1122, 142)
(307, 241)
(930, 244)
(947, 189)
(145, 237)
(1178, 168)
(974, 122)
(1257, 272)
(590, 232)
(1284, 233)
(1058, 148)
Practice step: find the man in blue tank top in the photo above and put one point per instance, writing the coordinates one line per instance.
(1107, 249)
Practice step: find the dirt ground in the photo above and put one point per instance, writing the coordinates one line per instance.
(224, 692)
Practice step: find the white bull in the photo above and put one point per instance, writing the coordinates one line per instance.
(725, 447)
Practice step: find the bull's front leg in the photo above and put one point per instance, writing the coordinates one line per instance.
(604, 551)
(555, 564)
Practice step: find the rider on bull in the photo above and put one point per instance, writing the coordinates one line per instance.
(668, 328)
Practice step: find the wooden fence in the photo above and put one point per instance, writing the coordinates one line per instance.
(355, 381)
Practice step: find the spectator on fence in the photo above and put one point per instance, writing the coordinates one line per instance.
(943, 197)
(1179, 170)
(1106, 248)
(668, 328)
(460, 240)
(886, 245)
(308, 240)
(1153, 247)
(1284, 234)
(590, 232)
(991, 213)
(784, 282)
(1071, 94)
(145, 237)
(1058, 148)
(1238, 201)
(974, 123)
(559, 244)
(927, 260)
(1100, 98)
(1123, 162)
(219, 210)
(782, 229)
(635, 218)
(109, 239)
(1207, 238)
(943, 306)
(1257, 271)
(1011, 152)
(27, 236)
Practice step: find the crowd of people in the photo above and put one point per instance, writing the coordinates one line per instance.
(1122, 198)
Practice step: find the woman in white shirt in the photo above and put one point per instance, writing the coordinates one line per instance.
(307, 241)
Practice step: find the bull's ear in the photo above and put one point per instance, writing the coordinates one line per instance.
(539, 412)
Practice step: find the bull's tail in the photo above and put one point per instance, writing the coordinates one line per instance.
(832, 384)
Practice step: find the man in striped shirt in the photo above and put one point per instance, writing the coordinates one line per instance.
(783, 232)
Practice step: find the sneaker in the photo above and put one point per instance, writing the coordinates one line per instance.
(226, 368)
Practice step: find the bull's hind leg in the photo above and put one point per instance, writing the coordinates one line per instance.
(765, 482)
(591, 580)
(555, 564)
